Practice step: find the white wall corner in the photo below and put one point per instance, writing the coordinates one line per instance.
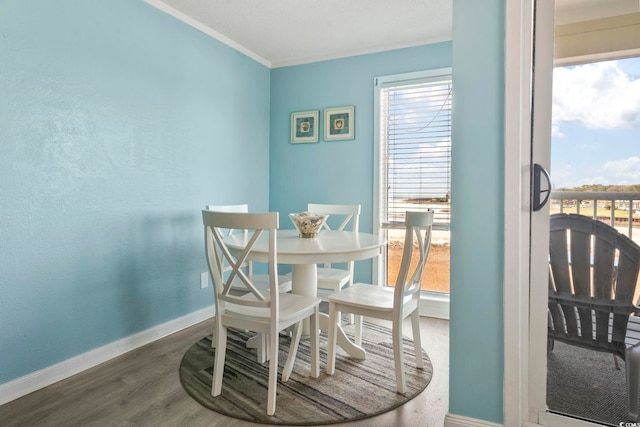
(452, 420)
(67, 368)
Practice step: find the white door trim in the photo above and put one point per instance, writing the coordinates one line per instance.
(518, 53)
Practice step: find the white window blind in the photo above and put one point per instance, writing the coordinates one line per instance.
(415, 144)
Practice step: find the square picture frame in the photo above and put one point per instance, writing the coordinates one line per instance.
(339, 123)
(304, 126)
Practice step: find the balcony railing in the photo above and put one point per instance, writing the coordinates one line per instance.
(618, 209)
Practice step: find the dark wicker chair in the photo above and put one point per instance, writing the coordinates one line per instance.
(592, 281)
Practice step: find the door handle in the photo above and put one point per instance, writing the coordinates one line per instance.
(538, 173)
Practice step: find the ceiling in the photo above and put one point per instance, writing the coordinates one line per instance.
(290, 32)
(279, 33)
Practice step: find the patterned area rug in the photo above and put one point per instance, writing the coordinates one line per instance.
(586, 384)
(359, 388)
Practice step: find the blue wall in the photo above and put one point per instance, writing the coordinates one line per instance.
(334, 171)
(118, 123)
(477, 221)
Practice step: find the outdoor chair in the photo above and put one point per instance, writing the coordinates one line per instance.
(593, 274)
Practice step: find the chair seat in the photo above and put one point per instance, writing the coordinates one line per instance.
(332, 278)
(291, 306)
(261, 281)
(365, 296)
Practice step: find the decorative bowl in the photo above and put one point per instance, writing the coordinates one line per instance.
(308, 224)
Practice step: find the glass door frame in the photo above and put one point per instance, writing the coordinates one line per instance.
(527, 141)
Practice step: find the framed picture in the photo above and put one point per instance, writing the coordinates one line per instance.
(339, 123)
(304, 126)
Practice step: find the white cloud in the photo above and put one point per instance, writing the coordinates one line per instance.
(556, 132)
(626, 171)
(598, 96)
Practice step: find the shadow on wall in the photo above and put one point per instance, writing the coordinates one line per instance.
(159, 276)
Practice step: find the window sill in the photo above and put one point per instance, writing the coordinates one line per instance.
(434, 304)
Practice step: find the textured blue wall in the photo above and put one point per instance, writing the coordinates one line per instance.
(476, 368)
(334, 171)
(118, 123)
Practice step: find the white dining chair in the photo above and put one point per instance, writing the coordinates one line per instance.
(266, 313)
(331, 278)
(261, 281)
(393, 304)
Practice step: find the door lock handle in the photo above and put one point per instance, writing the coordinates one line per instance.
(538, 202)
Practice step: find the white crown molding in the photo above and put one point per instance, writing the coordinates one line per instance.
(67, 368)
(208, 31)
(330, 56)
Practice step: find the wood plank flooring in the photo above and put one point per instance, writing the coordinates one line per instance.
(142, 388)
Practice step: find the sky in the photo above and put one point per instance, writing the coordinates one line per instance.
(596, 124)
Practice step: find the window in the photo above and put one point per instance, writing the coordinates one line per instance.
(413, 125)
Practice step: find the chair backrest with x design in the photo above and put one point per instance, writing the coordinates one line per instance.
(219, 253)
(241, 208)
(350, 214)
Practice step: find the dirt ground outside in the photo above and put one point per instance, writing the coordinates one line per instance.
(436, 272)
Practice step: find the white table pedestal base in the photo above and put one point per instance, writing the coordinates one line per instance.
(304, 281)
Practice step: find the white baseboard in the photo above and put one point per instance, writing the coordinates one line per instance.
(452, 420)
(65, 369)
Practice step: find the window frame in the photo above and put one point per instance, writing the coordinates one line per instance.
(433, 304)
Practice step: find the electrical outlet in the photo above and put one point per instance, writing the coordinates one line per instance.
(204, 280)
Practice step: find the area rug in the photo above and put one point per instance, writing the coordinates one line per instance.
(358, 389)
(585, 384)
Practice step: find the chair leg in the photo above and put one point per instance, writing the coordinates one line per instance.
(398, 356)
(331, 338)
(213, 334)
(632, 365)
(293, 349)
(273, 371)
(314, 324)
(417, 342)
(218, 366)
(262, 349)
(358, 330)
(350, 319)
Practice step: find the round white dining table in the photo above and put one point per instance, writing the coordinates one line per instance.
(305, 253)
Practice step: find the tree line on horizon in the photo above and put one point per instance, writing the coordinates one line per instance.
(600, 187)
